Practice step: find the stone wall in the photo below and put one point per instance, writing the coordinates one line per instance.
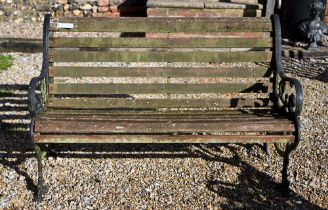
(34, 10)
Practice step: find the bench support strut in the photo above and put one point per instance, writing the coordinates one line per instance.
(285, 182)
(40, 184)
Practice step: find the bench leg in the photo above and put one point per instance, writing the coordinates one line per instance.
(266, 149)
(285, 182)
(40, 184)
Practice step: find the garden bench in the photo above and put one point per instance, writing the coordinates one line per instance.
(164, 80)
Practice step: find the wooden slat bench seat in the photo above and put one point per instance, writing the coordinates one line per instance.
(164, 80)
(57, 124)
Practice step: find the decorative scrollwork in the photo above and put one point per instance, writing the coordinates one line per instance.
(37, 96)
(290, 96)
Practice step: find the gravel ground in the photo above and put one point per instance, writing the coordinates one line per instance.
(32, 30)
(168, 176)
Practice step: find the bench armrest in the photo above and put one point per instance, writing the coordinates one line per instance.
(38, 87)
(290, 101)
(37, 96)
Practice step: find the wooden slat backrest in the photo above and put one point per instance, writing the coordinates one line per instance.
(163, 24)
(160, 62)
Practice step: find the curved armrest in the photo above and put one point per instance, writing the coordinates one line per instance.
(36, 101)
(291, 103)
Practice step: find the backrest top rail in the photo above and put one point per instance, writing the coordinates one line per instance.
(160, 24)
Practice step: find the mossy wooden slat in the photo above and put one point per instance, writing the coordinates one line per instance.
(210, 35)
(241, 72)
(161, 139)
(102, 42)
(156, 126)
(107, 89)
(164, 24)
(151, 56)
(94, 103)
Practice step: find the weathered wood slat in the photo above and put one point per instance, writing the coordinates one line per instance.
(151, 56)
(156, 115)
(160, 114)
(241, 117)
(210, 35)
(98, 103)
(103, 42)
(156, 126)
(242, 72)
(97, 117)
(160, 24)
(106, 89)
(162, 139)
